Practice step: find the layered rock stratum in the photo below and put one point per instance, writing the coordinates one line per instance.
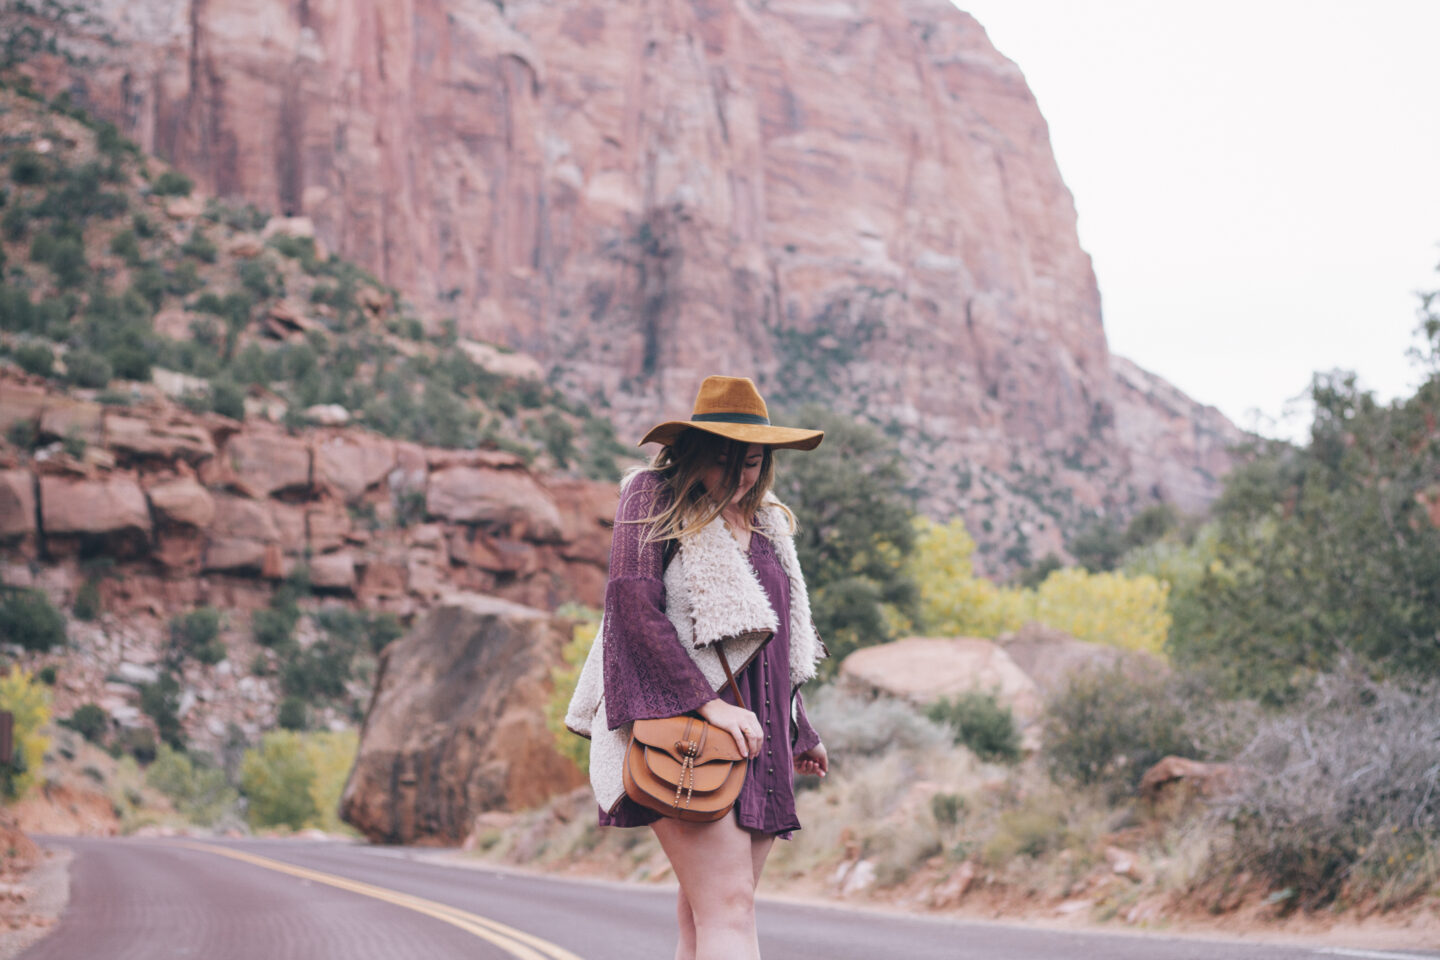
(856, 202)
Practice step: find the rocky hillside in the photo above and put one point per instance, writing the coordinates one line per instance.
(240, 463)
(855, 202)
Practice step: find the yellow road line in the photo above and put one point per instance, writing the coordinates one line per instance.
(517, 943)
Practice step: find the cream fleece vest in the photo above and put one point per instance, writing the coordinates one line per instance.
(713, 598)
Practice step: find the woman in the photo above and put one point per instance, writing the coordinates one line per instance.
(702, 561)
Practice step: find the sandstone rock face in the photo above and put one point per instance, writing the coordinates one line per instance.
(853, 201)
(456, 725)
(17, 505)
(923, 670)
(262, 464)
(473, 495)
(183, 501)
(350, 465)
(112, 509)
(1179, 449)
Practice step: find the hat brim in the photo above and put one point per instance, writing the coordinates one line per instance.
(786, 438)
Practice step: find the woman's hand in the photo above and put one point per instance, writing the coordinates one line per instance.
(814, 761)
(740, 723)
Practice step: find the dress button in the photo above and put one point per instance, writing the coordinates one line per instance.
(771, 770)
(769, 790)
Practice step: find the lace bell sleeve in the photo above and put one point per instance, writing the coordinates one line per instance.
(648, 674)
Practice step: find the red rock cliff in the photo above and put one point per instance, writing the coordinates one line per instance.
(855, 201)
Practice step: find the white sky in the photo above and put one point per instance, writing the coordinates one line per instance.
(1258, 182)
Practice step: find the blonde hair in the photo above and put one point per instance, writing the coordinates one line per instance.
(681, 465)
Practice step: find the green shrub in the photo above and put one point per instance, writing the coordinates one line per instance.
(28, 618)
(199, 246)
(272, 628)
(87, 601)
(90, 721)
(74, 444)
(129, 362)
(36, 358)
(277, 780)
(196, 787)
(64, 255)
(28, 168)
(257, 277)
(138, 742)
(143, 226)
(227, 399)
(293, 714)
(126, 246)
(197, 634)
(172, 183)
(23, 434)
(48, 674)
(981, 723)
(14, 223)
(183, 279)
(297, 248)
(17, 313)
(1108, 726)
(85, 368)
(161, 702)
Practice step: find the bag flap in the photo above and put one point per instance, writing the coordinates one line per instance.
(671, 733)
(707, 776)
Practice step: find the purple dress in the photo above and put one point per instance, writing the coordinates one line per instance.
(648, 674)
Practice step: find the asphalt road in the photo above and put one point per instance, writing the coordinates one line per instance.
(294, 900)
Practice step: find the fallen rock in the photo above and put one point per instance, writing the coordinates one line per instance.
(953, 890)
(1207, 779)
(327, 415)
(1125, 864)
(923, 670)
(508, 364)
(456, 724)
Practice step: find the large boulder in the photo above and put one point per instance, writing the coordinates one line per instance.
(923, 670)
(476, 495)
(456, 725)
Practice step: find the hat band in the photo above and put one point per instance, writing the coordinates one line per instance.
(753, 418)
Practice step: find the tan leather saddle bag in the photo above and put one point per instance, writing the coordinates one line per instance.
(683, 767)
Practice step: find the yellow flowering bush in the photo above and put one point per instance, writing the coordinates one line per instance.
(1109, 608)
(29, 701)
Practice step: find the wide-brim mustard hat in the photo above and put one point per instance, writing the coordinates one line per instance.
(732, 407)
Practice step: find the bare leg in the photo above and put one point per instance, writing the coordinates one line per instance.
(685, 949)
(760, 844)
(715, 864)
